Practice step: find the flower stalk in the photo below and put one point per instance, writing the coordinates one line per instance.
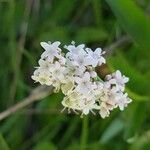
(84, 134)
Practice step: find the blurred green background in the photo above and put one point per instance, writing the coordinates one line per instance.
(97, 23)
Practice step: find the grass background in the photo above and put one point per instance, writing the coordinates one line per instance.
(41, 126)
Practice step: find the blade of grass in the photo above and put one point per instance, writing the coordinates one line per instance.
(3, 144)
(97, 12)
(71, 129)
(133, 20)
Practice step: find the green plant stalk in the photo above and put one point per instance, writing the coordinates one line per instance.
(84, 135)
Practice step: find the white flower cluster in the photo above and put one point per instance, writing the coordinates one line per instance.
(74, 74)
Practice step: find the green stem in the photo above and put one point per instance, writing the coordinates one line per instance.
(84, 135)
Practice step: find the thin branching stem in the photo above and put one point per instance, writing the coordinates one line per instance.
(37, 94)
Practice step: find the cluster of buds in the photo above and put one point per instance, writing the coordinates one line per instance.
(74, 74)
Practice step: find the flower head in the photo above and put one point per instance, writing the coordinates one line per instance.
(74, 74)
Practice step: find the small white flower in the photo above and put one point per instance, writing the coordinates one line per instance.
(57, 71)
(117, 79)
(84, 84)
(44, 64)
(104, 111)
(80, 61)
(43, 77)
(107, 96)
(120, 79)
(51, 51)
(71, 100)
(95, 58)
(123, 101)
(75, 51)
(67, 87)
(73, 70)
(86, 105)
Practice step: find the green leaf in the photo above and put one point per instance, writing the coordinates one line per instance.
(86, 35)
(3, 144)
(113, 129)
(133, 20)
(62, 10)
(142, 142)
(70, 131)
(45, 145)
(97, 10)
(53, 34)
(134, 121)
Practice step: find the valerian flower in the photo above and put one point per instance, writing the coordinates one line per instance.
(95, 58)
(74, 74)
(84, 85)
(51, 50)
(117, 79)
